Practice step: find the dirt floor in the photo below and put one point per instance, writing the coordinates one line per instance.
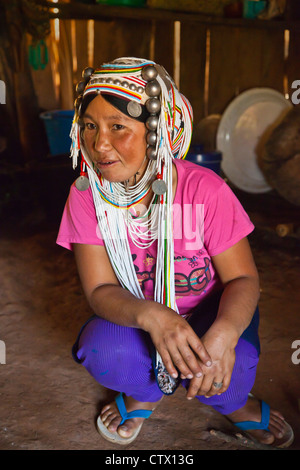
(49, 402)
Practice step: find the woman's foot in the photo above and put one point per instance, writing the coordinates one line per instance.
(111, 417)
(280, 432)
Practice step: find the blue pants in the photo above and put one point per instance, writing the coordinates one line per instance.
(119, 358)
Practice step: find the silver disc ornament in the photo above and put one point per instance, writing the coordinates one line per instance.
(82, 183)
(159, 187)
(134, 109)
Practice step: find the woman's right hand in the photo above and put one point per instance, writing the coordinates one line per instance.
(180, 348)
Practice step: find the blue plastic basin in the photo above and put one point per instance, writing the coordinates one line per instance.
(58, 125)
(211, 160)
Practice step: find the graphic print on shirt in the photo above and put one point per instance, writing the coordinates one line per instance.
(193, 283)
(196, 281)
(145, 276)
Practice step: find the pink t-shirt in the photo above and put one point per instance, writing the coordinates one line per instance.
(208, 219)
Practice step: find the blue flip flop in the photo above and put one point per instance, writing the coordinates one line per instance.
(286, 441)
(263, 424)
(114, 436)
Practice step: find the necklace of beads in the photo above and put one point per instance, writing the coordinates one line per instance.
(120, 196)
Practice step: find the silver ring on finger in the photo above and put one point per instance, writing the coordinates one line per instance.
(218, 384)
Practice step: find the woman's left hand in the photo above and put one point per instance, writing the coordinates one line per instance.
(216, 378)
(238, 274)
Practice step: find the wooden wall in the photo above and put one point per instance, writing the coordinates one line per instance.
(217, 61)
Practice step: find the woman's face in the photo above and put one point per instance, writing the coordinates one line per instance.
(114, 142)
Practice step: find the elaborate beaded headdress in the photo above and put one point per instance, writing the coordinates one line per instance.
(144, 91)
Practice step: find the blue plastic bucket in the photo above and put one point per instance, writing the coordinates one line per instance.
(58, 126)
(211, 160)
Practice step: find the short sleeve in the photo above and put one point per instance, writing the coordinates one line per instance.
(225, 221)
(79, 220)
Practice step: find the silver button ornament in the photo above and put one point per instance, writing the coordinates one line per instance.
(149, 73)
(132, 87)
(151, 138)
(80, 87)
(153, 105)
(82, 183)
(151, 153)
(87, 72)
(159, 187)
(152, 122)
(153, 88)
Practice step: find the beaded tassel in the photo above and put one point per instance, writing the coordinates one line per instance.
(75, 146)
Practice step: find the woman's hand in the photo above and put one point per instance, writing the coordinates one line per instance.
(178, 345)
(215, 379)
(238, 274)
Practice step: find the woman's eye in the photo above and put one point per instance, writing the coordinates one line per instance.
(118, 127)
(90, 126)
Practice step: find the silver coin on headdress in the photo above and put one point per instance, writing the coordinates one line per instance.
(134, 109)
(82, 183)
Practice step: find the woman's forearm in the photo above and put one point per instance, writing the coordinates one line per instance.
(116, 304)
(237, 305)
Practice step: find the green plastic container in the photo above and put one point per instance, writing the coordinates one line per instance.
(127, 3)
(253, 8)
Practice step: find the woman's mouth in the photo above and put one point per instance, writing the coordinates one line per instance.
(106, 163)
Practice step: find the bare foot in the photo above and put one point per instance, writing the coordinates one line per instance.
(252, 412)
(111, 417)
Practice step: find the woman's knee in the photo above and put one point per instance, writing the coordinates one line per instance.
(108, 350)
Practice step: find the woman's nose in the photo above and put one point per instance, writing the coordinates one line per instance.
(102, 141)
